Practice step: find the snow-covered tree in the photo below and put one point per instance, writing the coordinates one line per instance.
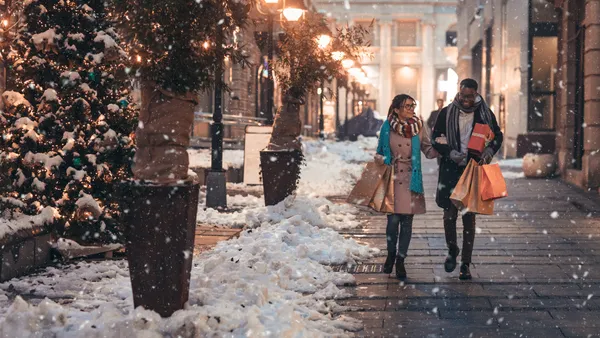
(69, 143)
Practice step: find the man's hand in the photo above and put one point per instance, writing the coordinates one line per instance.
(441, 140)
(378, 159)
(458, 157)
(487, 156)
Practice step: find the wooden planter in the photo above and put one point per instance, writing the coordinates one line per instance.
(161, 222)
(23, 252)
(280, 170)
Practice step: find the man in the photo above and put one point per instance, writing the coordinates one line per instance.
(434, 114)
(431, 123)
(455, 124)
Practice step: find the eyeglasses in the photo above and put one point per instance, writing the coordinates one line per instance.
(466, 97)
(410, 106)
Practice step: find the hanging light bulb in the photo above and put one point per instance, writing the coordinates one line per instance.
(338, 56)
(323, 40)
(347, 63)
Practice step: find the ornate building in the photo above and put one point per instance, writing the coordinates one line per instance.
(413, 46)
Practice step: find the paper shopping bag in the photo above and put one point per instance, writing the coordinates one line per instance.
(475, 203)
(460, 195)
(492, 184)
(383, 198)
(363, 191)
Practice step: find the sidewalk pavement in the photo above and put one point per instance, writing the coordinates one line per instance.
(536, 270)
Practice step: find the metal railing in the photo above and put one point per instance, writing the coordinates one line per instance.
(228, 119)
(233, 133)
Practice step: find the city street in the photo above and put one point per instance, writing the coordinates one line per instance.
(535, 273)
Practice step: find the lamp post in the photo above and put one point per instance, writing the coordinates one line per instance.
(292, 11)
(216, 180)
(321, 115)
(270, 83)
(323, 41)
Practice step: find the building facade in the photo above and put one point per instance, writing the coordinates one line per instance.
(578, 99)
(413, 48)
(510, 48)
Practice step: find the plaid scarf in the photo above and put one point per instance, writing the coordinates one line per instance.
(407, 128)
(452, 129)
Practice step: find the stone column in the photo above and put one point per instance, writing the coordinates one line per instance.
(591, 131)
(427, 69)
(385, 65)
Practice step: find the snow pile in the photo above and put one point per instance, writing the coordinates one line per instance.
(200, 158)
(317, 211)
(268, 282)
(332, 168)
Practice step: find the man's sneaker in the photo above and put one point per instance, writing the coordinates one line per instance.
(400, 270)
(450, 263)
(465, 272)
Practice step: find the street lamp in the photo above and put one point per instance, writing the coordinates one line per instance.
(294, 9)
(271, 12)
(216, 181)
(323, 40)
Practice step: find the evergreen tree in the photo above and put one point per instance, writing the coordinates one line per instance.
(72, 142)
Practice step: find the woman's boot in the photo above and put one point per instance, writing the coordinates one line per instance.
(389, 262)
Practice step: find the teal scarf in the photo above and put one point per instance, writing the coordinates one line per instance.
(383, 149)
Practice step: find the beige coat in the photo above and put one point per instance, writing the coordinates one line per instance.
(406, 201)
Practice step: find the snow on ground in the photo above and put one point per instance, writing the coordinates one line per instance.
(270, 281)
(200, 158)
(332, 168)
(513, 163)
(252, 213)
(511, 175)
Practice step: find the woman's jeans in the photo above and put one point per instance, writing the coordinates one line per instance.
(404, 222)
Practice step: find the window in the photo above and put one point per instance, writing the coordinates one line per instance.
(543, 60)
(451, 38)
(406, 33)
(543, 72)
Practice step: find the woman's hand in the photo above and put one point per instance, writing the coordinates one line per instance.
(379, 159)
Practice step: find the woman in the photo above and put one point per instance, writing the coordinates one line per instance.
(400, 142)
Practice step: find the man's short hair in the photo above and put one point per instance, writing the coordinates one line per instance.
(469, 83)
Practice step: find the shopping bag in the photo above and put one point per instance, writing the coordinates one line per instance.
(460, 195)
(363, 191)
(383, 198)
(475, 203)
(492, 184)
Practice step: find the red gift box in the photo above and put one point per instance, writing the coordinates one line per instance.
(482, 134)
